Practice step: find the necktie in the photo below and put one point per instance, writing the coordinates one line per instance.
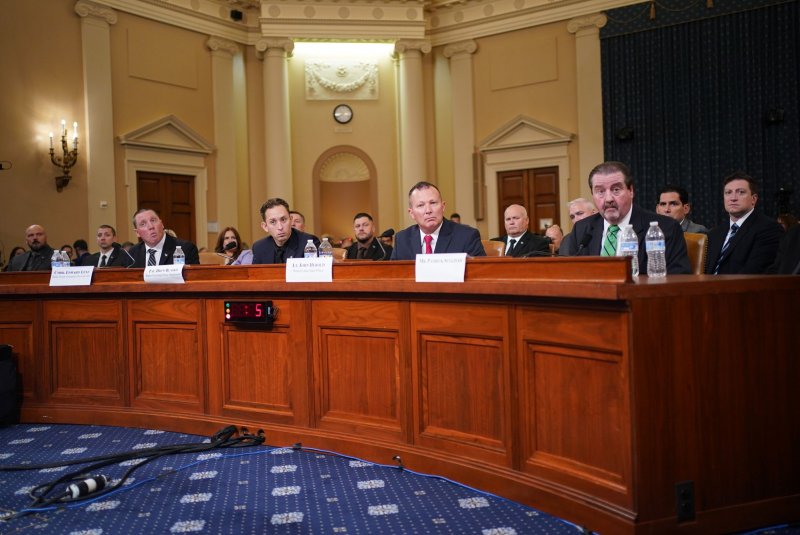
(428, 239)
(280, 255)
(610, 243)
(103, 261)
(511, 243)
(151, 261)
(361, 253)
(725, 246)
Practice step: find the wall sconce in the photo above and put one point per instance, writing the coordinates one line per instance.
(69, 158)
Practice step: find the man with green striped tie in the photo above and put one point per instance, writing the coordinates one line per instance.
(612, 189)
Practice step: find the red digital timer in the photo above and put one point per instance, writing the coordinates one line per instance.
(249, 312)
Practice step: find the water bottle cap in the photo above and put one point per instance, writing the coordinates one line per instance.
(653, 223)
(309, 241)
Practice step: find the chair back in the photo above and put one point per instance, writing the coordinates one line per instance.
(211, 258)
(494, 248)
(339, 254)
(697, 247)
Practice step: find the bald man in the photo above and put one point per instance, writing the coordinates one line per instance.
(519, 241)
(38, 257)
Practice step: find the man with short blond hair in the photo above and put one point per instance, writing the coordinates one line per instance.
(157, 247)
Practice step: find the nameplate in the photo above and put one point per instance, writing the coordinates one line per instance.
(309, 269)
(71, 276)
(167, 274)
(447, 267)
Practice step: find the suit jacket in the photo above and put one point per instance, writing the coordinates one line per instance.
(117, 258)
(787, 262)
(690, 226)
(264, 249)
(375, 251)
(139, 252)
(591, 230)
(453, 238)
(752, 249)
(529, 244)
(28, 261)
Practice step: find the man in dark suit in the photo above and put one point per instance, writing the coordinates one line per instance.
(367, 246)
(284, 241)
(111, 253)
(157, 247)
(787, 262)
(748, 242)
(611, 184)
(37, 258)
(519, 241)
(432, 233)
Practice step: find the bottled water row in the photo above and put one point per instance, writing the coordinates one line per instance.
(654, 245)
(325, 249)
(60, 259)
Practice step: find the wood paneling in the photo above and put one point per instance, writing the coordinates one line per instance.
(17, 329)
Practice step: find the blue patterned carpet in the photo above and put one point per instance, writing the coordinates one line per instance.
(246, 490)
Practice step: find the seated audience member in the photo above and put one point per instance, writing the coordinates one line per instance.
(111, 253)
(432, 233)
(284, 240)
(578, 209)
(787, 221)
(70, 253)
(229, 245)
(14, 252)
(748, 241)
(244, 258)
(127, 245)
(520, 242)
(367, 246)
(157, 246)
(673, 201)
(298, 220)
(787, 261)
(556, 236)
(455, 217)
(612, 189)
(39, 255)
(81, 252)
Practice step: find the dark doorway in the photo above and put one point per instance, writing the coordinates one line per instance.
(536, 190)
(172, 196)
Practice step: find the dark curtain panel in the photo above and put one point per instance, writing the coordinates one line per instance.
(690, 102)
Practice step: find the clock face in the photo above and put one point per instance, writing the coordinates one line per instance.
(343, 114)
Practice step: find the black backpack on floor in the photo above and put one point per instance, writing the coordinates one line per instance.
(9, 387)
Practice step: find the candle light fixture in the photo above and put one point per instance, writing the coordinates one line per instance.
(69, 157)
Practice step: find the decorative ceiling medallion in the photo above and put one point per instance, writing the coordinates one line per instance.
(332, 79)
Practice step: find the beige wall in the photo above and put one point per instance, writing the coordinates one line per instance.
(160, 70)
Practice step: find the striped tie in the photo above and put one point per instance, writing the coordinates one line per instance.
(725, 246)
(151, 261)
(610, 243)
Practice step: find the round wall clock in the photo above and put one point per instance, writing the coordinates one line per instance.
(343, 114)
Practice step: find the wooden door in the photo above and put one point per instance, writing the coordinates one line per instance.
(536, 190)
(172, 196)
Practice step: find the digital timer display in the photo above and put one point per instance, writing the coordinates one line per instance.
(249, 312)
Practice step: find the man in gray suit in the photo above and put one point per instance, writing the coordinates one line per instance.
(673, 201)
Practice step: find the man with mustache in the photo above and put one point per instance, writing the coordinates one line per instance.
(611, 184)
(38, 258)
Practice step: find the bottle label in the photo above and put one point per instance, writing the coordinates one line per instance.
(179, 260)
(629, 246)
(310, 255)
(655, 245)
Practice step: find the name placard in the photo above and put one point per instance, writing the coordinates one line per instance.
(167, 274)
(447, 267)
(72, 276)
(309, 269)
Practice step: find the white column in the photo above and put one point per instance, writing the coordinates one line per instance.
(222, 54)
(96, 135)
(413, 164)
(590, 94)
(277, 128)
(463, 113)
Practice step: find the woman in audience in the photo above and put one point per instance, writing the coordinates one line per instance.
(14, 252)
(229, 245)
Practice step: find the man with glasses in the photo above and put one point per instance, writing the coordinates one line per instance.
(611, 184)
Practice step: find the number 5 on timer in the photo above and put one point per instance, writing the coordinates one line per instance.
(250, 312)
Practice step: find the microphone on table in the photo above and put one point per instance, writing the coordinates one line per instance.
(585, 241)
(119, 247)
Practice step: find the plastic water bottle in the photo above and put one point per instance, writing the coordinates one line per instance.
(310, 250)
(178, 257)
(65, 261)
(325, 248)
(629, 246)
(55, 260)
(656, 251)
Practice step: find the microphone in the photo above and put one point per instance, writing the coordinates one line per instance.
(121, 248)
(230, 246)
(585, 241)
(87, 486)
(387, 233)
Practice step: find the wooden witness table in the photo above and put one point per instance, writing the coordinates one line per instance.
(558, 382)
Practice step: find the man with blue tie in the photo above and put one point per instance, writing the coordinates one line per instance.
(433, 234)
(748, 242)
